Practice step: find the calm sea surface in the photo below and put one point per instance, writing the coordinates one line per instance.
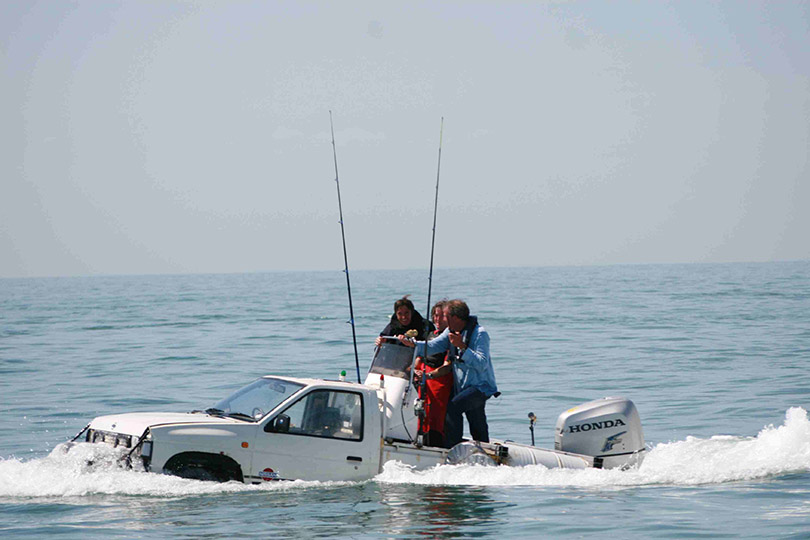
(714, 356)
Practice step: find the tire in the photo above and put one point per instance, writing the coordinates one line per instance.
(192, 472)
(202, 466)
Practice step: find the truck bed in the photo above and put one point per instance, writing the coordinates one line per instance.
(421, 458)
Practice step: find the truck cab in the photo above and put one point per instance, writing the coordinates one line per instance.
(276, 428)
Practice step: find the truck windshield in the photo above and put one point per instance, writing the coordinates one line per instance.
(392, 359)
(256, 399)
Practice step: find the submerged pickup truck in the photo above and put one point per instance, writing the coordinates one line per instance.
(287, 428)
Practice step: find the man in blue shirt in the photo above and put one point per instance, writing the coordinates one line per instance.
(474, 377)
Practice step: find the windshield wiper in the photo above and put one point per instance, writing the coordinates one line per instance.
(241, 416)
(213, 411)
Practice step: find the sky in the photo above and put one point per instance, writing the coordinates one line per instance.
(194, 137)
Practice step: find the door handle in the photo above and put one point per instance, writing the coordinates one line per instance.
(354, 458)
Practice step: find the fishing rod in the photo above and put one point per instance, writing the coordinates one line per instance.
(345, 257)
(422, 412)
(435, 211)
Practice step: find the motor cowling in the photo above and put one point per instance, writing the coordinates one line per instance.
(609, 429)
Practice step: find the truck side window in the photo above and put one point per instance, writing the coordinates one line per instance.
(327, 413)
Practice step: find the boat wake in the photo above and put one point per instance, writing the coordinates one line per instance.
(774, 452)
(95, 470)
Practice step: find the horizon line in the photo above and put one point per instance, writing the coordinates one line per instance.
(415, 268)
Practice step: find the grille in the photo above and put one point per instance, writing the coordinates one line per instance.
(108, 437)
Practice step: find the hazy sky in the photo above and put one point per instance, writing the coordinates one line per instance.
(152, 137)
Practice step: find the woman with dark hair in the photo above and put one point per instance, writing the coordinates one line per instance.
(405, 318)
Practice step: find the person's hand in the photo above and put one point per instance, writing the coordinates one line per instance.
(378, 341)
(417, 376)
(456, 340)
(406, 341)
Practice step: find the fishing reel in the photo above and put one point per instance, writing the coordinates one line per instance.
(419, 408)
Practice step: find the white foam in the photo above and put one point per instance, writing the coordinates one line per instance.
(95, 469)
(773, 452)
(694, 461)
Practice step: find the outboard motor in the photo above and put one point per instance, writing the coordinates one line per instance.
(605, 433)
(609, 429)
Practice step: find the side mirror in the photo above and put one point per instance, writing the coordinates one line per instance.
(280, 424)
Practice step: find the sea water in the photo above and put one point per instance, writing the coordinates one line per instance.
(714, 356)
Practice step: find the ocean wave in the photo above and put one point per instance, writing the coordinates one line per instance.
(87, 470)
(775, 451)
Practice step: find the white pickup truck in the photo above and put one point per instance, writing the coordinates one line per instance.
(286, 428)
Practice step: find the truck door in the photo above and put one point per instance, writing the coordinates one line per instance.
(321, 436)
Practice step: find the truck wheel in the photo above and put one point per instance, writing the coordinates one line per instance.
(197, 473)
(202, 466)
